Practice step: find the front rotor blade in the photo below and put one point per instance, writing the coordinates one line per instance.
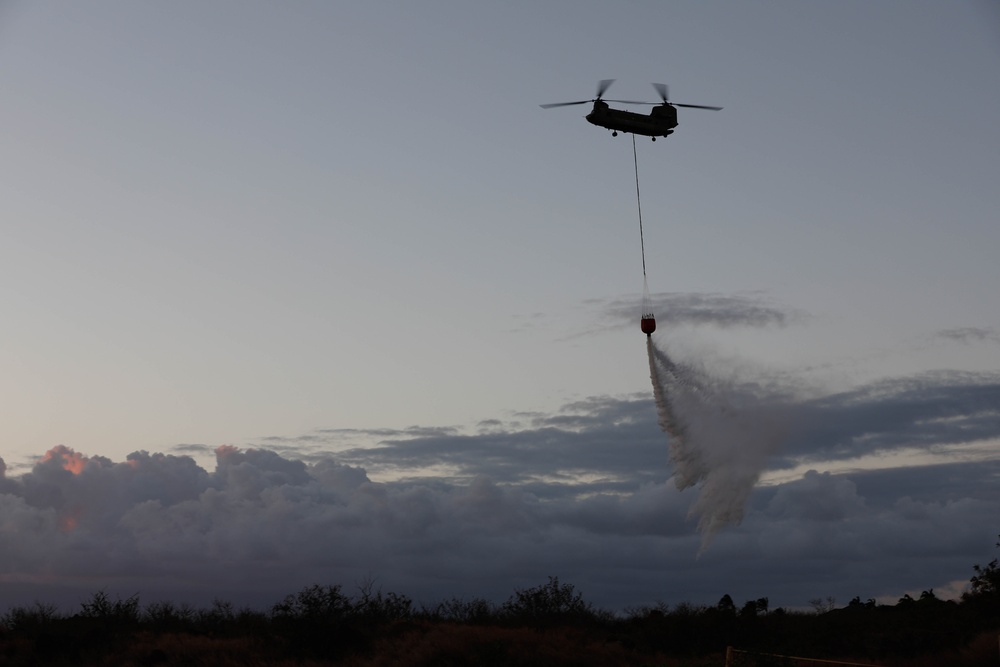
(697, 106)
(603, 86)
(630, 102)
(661, 88)
(563, 104)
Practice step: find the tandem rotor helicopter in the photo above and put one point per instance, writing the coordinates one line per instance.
(660, 122)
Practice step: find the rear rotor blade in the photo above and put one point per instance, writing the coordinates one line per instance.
(697, 106)
(661, 88)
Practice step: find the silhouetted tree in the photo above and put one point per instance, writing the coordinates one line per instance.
(982, 599)
(546, 603)
(823, 605)
(986, 580)
(314, 603)
(726, 605)
(476, 610)
(374, 606)
(29, 620)
(168, 617)
(756, 607)
(100, 606)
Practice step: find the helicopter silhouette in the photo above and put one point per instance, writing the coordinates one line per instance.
(660, 122)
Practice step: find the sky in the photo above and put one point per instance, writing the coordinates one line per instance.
(316, 292)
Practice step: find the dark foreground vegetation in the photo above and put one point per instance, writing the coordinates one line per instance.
(550, 624)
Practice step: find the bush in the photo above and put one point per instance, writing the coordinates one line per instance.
(547, 603)
(317, 603)
(119, 612)
(29, 620)
(475, 611)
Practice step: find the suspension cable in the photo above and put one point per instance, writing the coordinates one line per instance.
(638, 202)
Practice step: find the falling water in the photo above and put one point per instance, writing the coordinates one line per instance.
(719, 438)
(670, 390)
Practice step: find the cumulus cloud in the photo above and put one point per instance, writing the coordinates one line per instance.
(817, 497)
(584, 494)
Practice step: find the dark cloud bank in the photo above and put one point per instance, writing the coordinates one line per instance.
(585, 495)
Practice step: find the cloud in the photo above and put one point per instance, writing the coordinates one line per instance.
(677, 309)
(971, 335)
(584, 494)
(192, 448)
(817, 497)
(927, 410)
(706, 309)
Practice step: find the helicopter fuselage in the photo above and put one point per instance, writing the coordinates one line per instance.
(660, 122)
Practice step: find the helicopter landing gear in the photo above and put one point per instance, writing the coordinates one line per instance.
(614, 134)
(654, 138)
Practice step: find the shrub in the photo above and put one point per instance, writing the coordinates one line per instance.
(119, 612)
(29, 620)
(547, 603)
(476, 611)
(314, 603)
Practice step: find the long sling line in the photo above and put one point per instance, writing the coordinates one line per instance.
(638, 202)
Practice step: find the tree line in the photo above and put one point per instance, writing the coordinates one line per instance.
(543, 625)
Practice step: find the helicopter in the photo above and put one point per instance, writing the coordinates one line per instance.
(660, 122)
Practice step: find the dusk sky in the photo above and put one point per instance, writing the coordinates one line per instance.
(314, 292)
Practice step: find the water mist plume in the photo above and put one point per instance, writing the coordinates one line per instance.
(720, 436)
